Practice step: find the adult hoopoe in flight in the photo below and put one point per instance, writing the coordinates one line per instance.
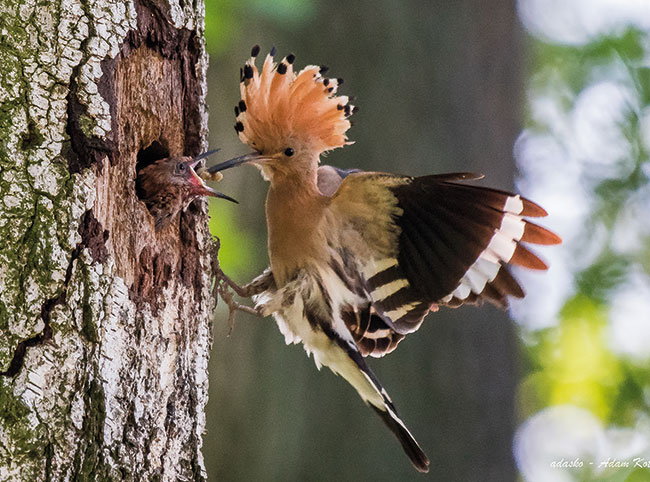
(357, 259)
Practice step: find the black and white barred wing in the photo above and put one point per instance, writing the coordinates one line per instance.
(434, 240)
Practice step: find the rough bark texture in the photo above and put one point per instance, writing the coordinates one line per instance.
(104, 323)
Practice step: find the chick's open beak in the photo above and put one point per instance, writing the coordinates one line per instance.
(200, 186)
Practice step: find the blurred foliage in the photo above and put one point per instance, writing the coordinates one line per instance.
(574, 362)
(224, 17)
(237, 245)
(577, 66)
(575, 366)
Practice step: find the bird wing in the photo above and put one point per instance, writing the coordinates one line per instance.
(370, 332)
(420, 242)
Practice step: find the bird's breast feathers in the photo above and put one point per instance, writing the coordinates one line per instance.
(308, 310)
(312, 297)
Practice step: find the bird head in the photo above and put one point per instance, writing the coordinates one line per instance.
(178, 172)
(288, 118)
(169, 185)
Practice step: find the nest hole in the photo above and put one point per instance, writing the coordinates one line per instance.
(147, 156)
(156, 150)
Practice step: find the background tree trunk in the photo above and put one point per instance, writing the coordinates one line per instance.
(104, 323)
(439, 85)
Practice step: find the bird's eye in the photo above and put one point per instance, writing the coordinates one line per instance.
(180, 167)
(288, 152)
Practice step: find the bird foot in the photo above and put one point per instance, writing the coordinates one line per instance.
(222, 285)
(243, 291)
(260, 284)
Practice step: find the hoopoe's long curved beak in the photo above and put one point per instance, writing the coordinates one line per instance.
(253, 157)
(206, 154)
(198, 183)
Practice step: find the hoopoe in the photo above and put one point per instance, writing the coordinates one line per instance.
(357, 259)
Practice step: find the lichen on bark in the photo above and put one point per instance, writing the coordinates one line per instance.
(99, 381)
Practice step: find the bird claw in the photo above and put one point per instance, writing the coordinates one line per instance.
(222, 286)
(246, 291)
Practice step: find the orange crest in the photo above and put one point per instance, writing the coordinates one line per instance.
(280, 108)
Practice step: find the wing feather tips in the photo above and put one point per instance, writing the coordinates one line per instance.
(465, 223)
(496, 198)
(412, 449)
(524, 257)
(495, 296)
(532, 210)
(506, 284)
(535, 234)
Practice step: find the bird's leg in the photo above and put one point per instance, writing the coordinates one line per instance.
(260, 284)
(233, 306)
(255, 287)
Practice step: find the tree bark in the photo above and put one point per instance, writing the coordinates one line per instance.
(104, 323)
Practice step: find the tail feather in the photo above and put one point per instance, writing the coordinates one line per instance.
(389, 415)
(408, 442)
(369, 388)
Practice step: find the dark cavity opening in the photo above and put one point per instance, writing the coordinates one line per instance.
(157, 150)
(149, 155)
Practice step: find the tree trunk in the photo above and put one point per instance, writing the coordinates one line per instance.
(105, 324)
